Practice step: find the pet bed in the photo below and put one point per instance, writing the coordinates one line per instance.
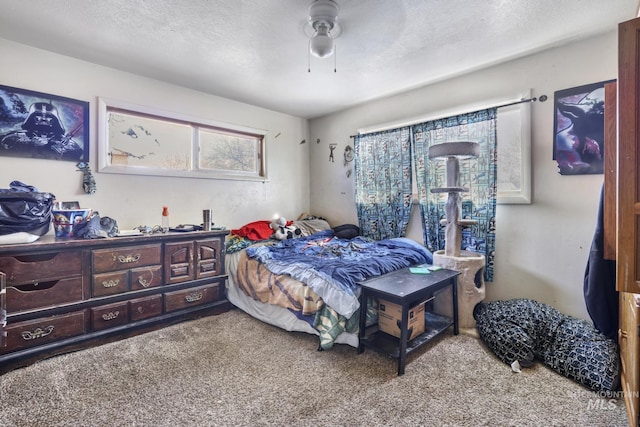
(523, 330)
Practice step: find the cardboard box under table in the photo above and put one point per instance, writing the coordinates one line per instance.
(390, 316)
(404, 291)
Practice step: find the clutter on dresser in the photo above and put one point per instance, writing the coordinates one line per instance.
(165, 219)
(147, 229)
(25, 213)
(67, 221)
(70, 220)
(206, 219)
(95, 227)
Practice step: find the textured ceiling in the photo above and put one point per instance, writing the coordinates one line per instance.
(255, 51)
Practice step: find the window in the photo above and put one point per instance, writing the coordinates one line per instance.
(514, 146)
(230, 152)
(144, 141)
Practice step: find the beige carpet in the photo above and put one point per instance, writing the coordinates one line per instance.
(232, 370)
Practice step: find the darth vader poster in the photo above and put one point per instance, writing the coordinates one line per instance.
(44, 126)
(579, 129)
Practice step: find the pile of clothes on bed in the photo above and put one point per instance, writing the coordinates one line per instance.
(521, 331)
(315, 274)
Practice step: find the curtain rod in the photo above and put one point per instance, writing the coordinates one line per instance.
(508, 104)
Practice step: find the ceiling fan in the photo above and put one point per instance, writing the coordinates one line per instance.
(322, 28)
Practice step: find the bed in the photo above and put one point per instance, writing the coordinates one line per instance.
(308, 283)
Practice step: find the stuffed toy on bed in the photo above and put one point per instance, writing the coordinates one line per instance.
(283, 229)
(520, 331)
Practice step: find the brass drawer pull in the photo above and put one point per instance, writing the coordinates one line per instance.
(194, 296)
(110, 315)
(37, 333)
(110, 283)
(127, 259)
(144, 282)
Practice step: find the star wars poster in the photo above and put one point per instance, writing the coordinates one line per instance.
(43, 126)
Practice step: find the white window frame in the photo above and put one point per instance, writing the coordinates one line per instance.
(514, 132)
(188, 138)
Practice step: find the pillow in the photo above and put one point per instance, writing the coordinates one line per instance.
(311, 226)
(346, 231)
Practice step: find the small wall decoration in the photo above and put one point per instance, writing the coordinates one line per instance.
(45, 126)
(332, 148)
(348, 158)
(348, 154)
(88, 181)
(579, 129)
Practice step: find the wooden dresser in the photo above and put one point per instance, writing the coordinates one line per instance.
(629, 340)
(63, 295)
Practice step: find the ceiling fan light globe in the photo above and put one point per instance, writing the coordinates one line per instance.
(321, 46)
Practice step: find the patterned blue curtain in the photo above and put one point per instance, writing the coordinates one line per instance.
(479, 175)
(382, 168)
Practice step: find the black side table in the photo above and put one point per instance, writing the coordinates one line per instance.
(406, 289)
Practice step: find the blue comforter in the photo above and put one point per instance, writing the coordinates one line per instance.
(332, 266)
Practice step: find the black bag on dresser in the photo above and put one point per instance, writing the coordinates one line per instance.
(24, 209)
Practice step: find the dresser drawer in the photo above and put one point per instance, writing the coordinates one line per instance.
(179, 261)
(110, 283)
(109, 316)
(191, 297)
(43, 294)
(107, 260)
(146, 277)
(127, 280)
(143, 308)
(32, 333)
(209, 258)
(22, 269)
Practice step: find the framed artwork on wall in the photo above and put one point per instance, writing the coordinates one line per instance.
(578, 138)
(41, 125)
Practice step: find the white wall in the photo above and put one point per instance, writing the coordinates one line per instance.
(542, 248)
(135, 200)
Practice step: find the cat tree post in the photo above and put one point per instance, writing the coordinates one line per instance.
(471, 289)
